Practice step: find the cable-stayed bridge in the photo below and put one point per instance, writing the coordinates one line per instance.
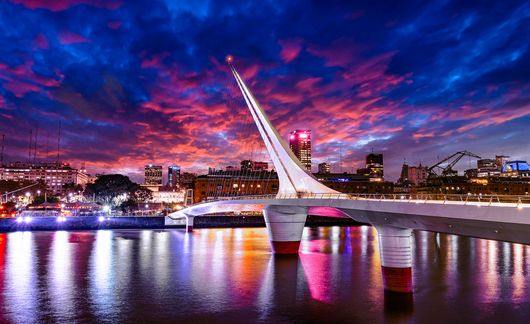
(394, 216)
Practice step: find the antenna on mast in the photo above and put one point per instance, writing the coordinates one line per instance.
(35, 145)
(47, 146)
(59, 143)
(2, 152)
(29, 147)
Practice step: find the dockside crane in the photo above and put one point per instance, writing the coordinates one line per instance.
(448, 170)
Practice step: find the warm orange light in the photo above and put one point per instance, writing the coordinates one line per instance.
(229, 59)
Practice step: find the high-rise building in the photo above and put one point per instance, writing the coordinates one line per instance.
(153, 175)
(324, 168)
(374, 162)
(173, 176)
(300, 144)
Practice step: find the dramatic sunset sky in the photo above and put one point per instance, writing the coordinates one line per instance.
(133, 82)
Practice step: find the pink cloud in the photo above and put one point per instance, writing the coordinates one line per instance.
(19, 89)
(155, 61)
(60, 5)
(67, 37)
(308, 84)
(418, 136)
(290, 49)
(22, 79)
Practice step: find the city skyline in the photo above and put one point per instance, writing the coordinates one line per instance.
(130, 89)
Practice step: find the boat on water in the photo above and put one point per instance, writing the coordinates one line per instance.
(59, 210)
(45, 209)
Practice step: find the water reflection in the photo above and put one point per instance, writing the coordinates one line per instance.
(60, 275)
(21, 291)
(230, 275)
(102, 275)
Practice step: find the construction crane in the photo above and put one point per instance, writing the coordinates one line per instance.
(448, 169)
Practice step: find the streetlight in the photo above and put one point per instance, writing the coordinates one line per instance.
(38, 192)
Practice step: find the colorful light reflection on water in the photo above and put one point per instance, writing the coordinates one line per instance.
(230, 275)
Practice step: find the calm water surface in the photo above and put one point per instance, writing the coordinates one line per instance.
(220, 275)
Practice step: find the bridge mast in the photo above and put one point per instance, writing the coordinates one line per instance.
(293, 177)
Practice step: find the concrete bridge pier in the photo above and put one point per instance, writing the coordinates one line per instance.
(189, 223)
(395, 246)
(285, 225)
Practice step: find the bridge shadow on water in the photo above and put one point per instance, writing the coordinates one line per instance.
(318, 278)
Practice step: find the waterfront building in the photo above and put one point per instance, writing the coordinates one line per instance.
(55, 175)
(374, 163)
(324, 168)
(231, 168)
(417, 175)
(169, 196)
(248, 165)
(404, 177)
(365, 172)
(300, 144)
(488, 168)
(413, 175)
(153, 175)
(173, 176)
(516, 169)
(501, 160)
(229, 184)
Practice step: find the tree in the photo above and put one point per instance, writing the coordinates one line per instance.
(113, 189)
(143, 195)
(41, 199)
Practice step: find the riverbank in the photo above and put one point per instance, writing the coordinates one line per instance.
(134, 222)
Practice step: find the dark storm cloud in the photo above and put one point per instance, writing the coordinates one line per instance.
(133, 82)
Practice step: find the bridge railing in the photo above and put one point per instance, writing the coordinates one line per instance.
(442, 198)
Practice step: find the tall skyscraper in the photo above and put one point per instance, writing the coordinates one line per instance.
(300, 144)
(153, 175)
(374, 162)
(324, 168)
(173, 176)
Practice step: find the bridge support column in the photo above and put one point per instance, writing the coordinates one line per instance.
(285, 225)
(189, 223)
(396, 258)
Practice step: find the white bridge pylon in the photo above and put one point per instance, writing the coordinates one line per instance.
(292, 176)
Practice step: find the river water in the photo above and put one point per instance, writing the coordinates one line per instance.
(229, 275)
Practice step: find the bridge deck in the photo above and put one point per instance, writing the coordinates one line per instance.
(496, 217)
